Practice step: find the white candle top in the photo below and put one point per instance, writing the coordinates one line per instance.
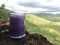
(16, 13)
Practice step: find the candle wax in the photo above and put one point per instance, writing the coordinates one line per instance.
(17, 27)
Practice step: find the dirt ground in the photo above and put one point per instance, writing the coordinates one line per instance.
(29, 39)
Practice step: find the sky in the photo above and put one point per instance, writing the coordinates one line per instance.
(33, 6)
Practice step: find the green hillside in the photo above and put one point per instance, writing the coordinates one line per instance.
(42, 25)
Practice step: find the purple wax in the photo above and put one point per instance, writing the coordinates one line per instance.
(17, 27)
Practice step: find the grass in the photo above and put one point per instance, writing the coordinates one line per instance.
(45, 25)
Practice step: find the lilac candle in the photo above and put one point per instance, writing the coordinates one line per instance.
(17, 27)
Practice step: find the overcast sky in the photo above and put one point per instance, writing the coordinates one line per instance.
(33, 6)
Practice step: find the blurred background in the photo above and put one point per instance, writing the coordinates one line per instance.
(41, 16)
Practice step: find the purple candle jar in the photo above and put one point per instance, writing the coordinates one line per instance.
(17, 27)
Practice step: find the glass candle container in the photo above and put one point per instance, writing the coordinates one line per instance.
(17, 26)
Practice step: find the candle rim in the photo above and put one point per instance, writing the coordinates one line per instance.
(16, 13)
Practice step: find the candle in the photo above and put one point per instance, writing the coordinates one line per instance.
(17, 27)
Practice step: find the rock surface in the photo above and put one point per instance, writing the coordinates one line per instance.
(29, 39)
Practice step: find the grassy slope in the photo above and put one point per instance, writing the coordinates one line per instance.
(49, 29)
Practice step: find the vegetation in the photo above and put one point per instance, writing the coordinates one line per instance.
(41, 24)
(4, 13)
